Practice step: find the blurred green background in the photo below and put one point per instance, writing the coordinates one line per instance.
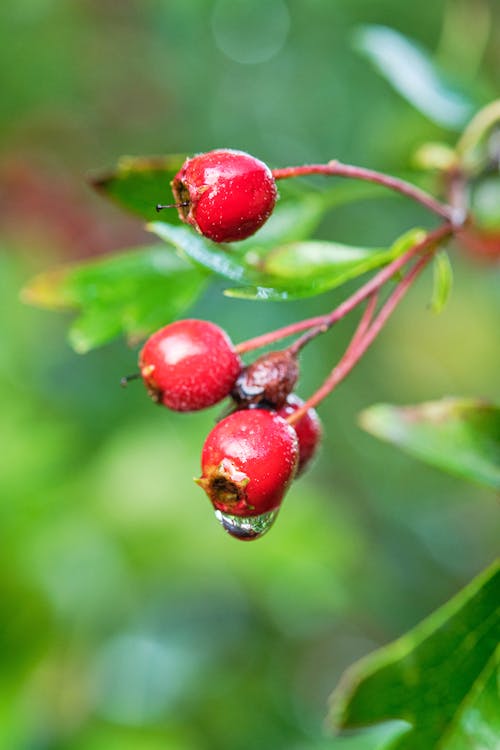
(129, 620)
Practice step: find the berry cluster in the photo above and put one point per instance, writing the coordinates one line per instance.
(251, 456)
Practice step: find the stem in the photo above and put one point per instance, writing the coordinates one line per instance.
(361, 340)
(299, 344)
(336, 168)
(373, 285)
(127, 378)
(365, 321)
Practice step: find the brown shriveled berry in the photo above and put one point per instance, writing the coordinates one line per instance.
(267, 381)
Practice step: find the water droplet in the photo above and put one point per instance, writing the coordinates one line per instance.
(249, 527)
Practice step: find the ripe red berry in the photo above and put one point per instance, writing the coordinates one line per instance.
(225, 195)
(308, 430)
(189, 365)
(248, 462)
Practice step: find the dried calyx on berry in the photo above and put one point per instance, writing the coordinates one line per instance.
(225, 195)
(189, 365)
(267, 381)
(248, 461)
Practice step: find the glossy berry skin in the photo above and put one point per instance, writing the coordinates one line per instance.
(248, 462)
(308, 430)
(189, 365)
(229, 194)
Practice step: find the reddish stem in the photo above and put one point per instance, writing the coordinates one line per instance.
(361, 340)
(373, 285)
(299, 344)
(336, 168)
(365, 321)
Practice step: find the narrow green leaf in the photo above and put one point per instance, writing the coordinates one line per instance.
(205, 254)
(442, 282)
(461, 436)
(311, 259)
(139, 183)
(304, 269)
(132, 292)
(441, 677)
(412, 73)
(407, 240)
(290, 271)
(300, 269)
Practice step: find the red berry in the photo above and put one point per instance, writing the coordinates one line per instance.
(308, 430)
(481, 244)
(227, 195)
(248, 462)
(189, 365)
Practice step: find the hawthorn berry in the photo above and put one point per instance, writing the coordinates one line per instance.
(308, 430)
(189, 365)
(225, 195)
(481, 244)
(267, 381)
(248, 461)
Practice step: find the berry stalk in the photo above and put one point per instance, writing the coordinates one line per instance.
(363, 337)
(338, 169)
(323, 322)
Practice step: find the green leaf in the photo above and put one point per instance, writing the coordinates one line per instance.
(205, 254)
(441, 677)
(315, 258)
(291, 271)
(139, 183)
(303, 269)
(133, 292)
(412, 73)
(442, 282)
(461, 436)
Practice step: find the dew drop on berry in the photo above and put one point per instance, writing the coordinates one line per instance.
(247, 528)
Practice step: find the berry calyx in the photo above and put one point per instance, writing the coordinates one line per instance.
(308, 429)
(267, 381)
(189, 365)
(248, 462)
(225, 195)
